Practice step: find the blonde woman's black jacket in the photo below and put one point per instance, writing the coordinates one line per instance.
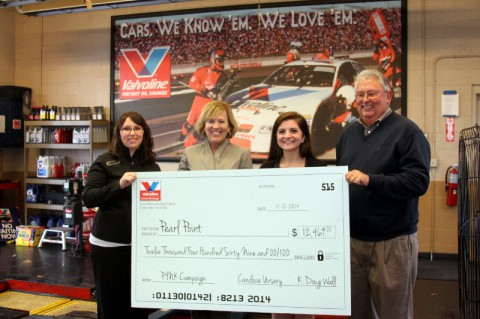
(113, 221)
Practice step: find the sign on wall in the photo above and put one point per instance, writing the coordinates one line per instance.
(263, 59)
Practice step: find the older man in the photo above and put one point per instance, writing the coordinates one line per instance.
(388, 158)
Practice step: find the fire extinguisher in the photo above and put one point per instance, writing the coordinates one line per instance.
(451, 185)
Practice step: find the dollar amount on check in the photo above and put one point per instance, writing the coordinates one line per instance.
(269, 240)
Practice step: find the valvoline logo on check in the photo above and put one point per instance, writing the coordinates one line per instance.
(151, 191)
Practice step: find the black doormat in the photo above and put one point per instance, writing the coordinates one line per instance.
(6, 313)
(438, 268)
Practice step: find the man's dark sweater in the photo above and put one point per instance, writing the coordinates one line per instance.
(396, 157)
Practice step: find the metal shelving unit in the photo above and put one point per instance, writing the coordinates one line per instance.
(34, 149)
(469, 223)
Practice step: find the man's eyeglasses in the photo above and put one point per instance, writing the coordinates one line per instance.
(368, 95)
(130, 129)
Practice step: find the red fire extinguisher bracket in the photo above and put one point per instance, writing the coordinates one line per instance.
(451, 185)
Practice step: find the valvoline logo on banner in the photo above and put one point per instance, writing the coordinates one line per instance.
(151, 191)
(145, 76)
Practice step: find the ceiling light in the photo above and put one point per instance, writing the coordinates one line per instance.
(54, 7)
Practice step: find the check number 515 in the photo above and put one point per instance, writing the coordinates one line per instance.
(328, 186)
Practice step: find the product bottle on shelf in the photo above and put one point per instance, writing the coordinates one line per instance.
(63, 116)
(42, 166)
(55, 172)
(32, 135)
(51, 161)
(39, 135)
(27, 135)
(42, 113)
(102, 112)
(52, 113)
(99, 113)
(62, 166)
(46, 113)
(36, 115)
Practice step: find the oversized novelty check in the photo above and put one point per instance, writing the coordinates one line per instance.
(261, 240)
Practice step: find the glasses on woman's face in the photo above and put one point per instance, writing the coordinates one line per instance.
(128, 129)
(368, 95)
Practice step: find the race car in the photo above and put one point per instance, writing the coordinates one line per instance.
(322, 91)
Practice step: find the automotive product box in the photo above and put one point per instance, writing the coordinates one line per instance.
(9, 219)
(29, 235)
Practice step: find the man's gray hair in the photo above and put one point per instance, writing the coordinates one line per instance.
(372, 73)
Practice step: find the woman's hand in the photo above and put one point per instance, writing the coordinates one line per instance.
(127, 179)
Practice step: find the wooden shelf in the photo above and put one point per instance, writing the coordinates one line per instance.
(55, 207)
(66, 123)
(59, 146)
(44, 206)
(46, 181)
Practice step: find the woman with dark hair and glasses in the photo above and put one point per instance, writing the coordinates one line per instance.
(290, 143)
(108, 187)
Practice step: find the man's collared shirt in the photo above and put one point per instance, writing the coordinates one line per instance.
(369, 129)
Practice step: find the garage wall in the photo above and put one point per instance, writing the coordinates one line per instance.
(7, 47)
(443, 54)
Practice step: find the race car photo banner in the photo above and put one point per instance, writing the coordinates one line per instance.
(263, 59)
